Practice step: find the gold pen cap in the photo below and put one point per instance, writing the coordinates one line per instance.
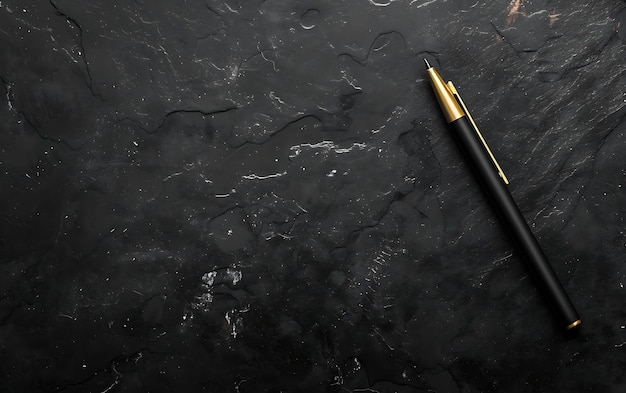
(454, 108)
(449, 105)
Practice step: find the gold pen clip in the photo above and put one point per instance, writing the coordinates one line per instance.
(480, 136)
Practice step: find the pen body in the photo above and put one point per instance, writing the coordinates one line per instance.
(516, 225)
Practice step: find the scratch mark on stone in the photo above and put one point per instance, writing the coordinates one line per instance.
(383, 339)
(377, 4)
(423, 4)
(172, 175)
(257, 177)
(266, 59)
(325, 146)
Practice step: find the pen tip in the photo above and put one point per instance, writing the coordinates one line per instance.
(427, 64)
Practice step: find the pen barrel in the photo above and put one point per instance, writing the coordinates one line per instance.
(516, 225)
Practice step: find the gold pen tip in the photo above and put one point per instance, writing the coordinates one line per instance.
(427, 64)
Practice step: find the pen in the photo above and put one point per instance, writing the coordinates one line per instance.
(493, 180)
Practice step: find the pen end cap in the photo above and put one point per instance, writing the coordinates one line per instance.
(574, 324)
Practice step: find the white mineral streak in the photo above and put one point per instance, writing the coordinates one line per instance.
(257, 177)
(325, 146)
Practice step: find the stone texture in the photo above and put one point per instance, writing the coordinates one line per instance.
(262, 196)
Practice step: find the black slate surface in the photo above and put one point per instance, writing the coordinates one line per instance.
(262, 196)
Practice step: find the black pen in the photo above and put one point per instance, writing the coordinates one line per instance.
(494, 182)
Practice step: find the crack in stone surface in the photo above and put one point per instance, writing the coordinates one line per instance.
(82, 53)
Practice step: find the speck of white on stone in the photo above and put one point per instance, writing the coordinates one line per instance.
(209, 278)
(234, 275)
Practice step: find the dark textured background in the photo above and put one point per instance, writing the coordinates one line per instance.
(263, 196)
